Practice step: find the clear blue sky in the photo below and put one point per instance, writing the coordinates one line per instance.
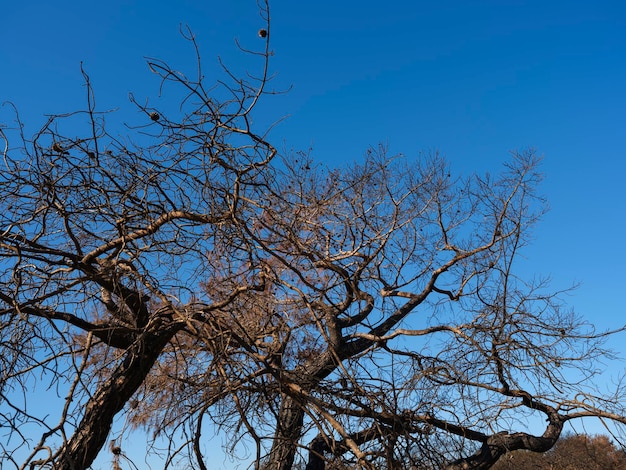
(471, 79)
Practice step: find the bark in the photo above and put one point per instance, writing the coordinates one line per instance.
(288, 430)
(317, 448)
(92, 432)
(499, 444)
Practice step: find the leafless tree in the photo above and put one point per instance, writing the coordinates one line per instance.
(186, 276)
(408, 333)
(105, 246)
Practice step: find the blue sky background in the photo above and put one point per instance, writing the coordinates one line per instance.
(473, 80)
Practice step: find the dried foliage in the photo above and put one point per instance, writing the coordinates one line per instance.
(188, 276)
(572, 452)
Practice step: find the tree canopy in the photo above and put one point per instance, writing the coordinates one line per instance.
(187, 274)
(571, 452)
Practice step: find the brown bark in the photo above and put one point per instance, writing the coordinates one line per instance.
(288, 430)
(92, 432)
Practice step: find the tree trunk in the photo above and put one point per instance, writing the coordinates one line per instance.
(92, 432)
(317, 448)
(288, 433)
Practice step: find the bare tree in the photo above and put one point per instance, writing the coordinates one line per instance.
(105, 247)
(408, 332)
(363, 316)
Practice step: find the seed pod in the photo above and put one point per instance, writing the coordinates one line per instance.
(57, 147)
(262, 33)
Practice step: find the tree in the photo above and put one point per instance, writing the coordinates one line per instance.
(572, 452)
(367, 315)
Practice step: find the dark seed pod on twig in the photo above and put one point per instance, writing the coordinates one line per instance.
(57, 147)
(115, 449)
